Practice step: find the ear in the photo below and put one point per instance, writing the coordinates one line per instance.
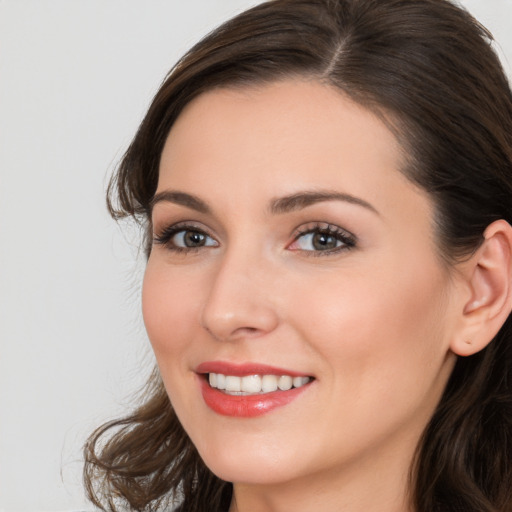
(488, 274)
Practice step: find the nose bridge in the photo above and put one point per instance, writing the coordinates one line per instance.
(239, 303)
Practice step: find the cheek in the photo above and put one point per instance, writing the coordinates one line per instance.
(386, 325)
(170, 306)
(384, 341)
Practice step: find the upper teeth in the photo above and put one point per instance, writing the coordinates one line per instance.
(255, 383)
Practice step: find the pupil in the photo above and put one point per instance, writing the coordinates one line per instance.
(194, 239)
(322, 242)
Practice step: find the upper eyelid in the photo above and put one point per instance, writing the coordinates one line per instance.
(322, 226)
(165, 233)
(182, 225)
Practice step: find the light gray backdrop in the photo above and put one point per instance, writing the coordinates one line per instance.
(75, 79)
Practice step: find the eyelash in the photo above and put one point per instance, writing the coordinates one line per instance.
(166, 236)
(348, 240)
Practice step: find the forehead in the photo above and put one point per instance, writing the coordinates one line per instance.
(279, 138)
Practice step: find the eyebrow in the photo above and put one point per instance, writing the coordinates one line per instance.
(182, 199)
(280, 205)
(301, 200)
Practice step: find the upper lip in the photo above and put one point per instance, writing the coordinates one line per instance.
(241, 369)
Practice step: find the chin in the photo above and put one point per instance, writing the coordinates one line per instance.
(258, 464)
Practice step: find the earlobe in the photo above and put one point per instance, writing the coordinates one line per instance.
(489, 276)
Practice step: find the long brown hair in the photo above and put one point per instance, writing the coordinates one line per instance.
(429, 67)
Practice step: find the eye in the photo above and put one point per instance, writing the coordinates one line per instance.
(184, 238)
(190, 238)
(322, 238)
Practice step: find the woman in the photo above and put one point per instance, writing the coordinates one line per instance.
(327, 190)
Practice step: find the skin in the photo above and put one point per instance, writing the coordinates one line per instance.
(372, 323)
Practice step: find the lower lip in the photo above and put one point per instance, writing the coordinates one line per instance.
(246, 406)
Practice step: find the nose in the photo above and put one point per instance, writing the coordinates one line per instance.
(240, 300)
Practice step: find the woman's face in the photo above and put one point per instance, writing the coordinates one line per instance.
(287, 243)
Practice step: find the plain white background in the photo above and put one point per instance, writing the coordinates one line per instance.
(75, 79)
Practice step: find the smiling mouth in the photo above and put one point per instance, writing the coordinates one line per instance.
(254, 384)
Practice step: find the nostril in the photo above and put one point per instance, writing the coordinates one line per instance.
(251, 332)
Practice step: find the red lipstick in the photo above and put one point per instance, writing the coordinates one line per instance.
(240, 405)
